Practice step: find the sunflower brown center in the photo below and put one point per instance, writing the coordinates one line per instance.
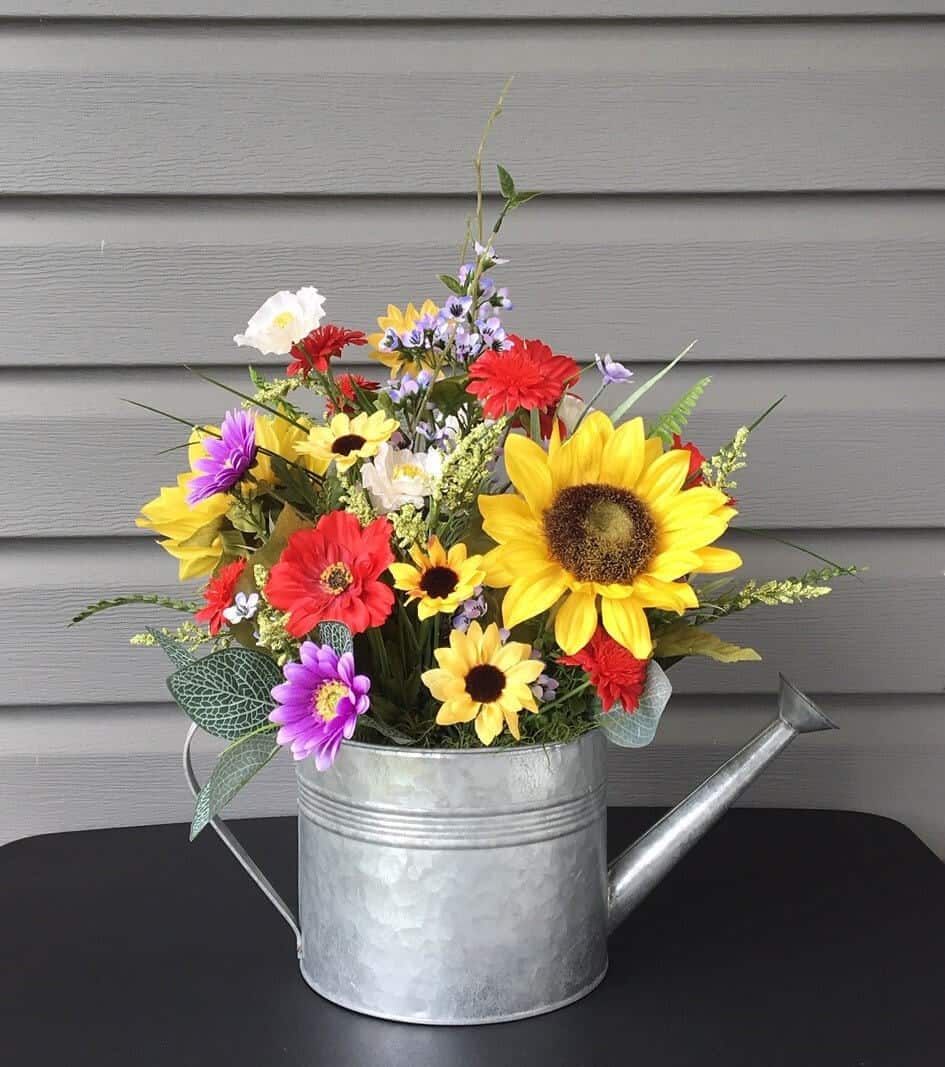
(600, 533)
(336, 578)
(485, 683)
(439, 581)
(347, 443)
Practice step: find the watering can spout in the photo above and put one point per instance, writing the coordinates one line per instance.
(636, 871)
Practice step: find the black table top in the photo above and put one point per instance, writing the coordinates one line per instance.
(785, 937)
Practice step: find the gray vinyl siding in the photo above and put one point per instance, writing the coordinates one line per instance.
(764, 175)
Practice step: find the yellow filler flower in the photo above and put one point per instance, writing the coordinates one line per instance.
(191, 532)
(403, 322)
(480, 678)
(346, 440)
(602, 516)
(441, 580)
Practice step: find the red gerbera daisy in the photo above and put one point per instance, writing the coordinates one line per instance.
(527, 375)
(315, 349)
(219, 595)
(696, 459)
(346, 383)
(332, 573)
(616, 675)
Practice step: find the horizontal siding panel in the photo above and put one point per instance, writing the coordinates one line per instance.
(458, 10)
(94, 459)
(157, 282)
(649, 108)
(68, 768)
(878, 634)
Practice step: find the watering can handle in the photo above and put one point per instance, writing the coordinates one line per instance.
(245, 860)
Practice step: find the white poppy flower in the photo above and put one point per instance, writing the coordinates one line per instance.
(284, 319)
(570, 410)
(397, 476)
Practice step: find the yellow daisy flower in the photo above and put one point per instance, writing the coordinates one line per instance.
(480, 678)
(191, 532)
(603, 516)
(401, 321)
(346, 440)
(282, 437)
(441, 580)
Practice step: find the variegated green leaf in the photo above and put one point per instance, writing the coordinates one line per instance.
(336, 635)
(228, 692)
(235, 767)
(638, 728)
(177, 653)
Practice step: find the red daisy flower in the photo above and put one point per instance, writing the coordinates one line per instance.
(219, 595)
(346, 383)
(615, 674)
(527, 375)
(332, 573)
(315, 349)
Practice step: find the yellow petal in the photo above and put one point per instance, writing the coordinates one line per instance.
(669, 596)
(622, 461)
(497, 575)
(527, 467)
(442, 683)
(576, 622)
(696, 535)
(675, 513)
(405, 576)
(460, 709)
(625, 622)
(525, 672)
(670, 565)
(717, 560)
(490, 642)
(506, 517)
(664, 476)
(489, 723)
(528, 597)
(511, 717)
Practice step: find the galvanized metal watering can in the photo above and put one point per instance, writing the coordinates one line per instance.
(472, 886)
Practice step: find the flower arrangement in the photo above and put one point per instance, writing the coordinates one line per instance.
(456, 551)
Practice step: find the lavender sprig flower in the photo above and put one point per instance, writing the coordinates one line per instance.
(610, 370)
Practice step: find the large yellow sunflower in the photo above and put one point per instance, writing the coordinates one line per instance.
(346, 440)
(401, 321)
(440, 581)
(480, 678)
(191, 532)
(602, 517)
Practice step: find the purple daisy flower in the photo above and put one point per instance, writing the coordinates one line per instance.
(320, 702)
(229, 456)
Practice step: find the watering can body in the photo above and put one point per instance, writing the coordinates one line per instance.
(473, 886)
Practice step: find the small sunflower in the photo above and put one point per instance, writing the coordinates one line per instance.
(603, 516)
(402, 322)
(480, 678)
(346, 440)
(441, 580)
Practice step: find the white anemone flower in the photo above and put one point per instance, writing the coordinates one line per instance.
(284, 319)
(570, 410)
(397, 476)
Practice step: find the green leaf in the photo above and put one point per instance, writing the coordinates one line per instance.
(505, 183)
(187, 606)
(449, 394)
(178, 654)
(627, 404)
(675, 419)
(681, 639)
(336, 635)
(387, 730)
(637, 729)
(453, 284)
(523, 198)
(228, 692)
(235, 767)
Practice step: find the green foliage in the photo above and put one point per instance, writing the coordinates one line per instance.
(638, 728)
(336, 635)
(684, 639)
(627, 404)
(228, 692)
(236, 766)
(674, 420)
(386, 730)
(453, 284)
(135, 598)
